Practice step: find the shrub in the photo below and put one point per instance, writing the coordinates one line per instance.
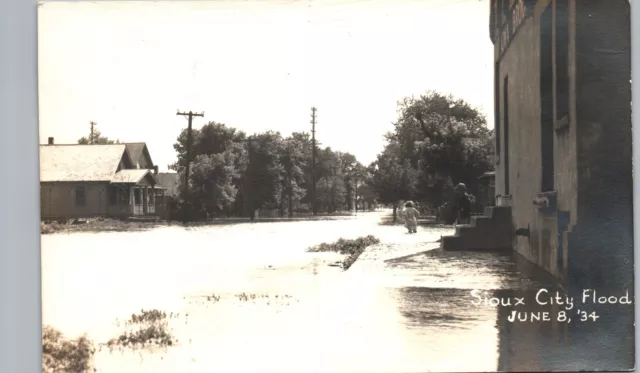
(66, 356)
(150, 328)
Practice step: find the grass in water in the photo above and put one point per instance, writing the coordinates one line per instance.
(351, 248)
(146, 329)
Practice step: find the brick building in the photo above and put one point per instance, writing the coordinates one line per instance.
(564, 166)
(563, 129)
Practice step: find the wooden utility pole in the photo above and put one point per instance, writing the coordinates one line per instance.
(313, 160)
(190, 116)
(356, 195)
(290, 176)
(92, 123)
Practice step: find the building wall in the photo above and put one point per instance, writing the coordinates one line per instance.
(520, 132)
(604, 132)
(58, 200)
(586, 239)
(592, 152)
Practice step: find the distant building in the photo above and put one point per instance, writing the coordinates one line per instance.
(170, 183)
(167, 205)
(80, 181)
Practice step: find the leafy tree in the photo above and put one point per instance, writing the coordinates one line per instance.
(212, 138)
(212, 187)
(444, 138)
(293, 159)
(331, 193)
(349, 167)
(263, 179)
(392, 179)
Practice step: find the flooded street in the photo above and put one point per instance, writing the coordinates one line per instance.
(248, 298)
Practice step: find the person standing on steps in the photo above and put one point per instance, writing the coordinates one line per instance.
(411, 217)
(463, 204)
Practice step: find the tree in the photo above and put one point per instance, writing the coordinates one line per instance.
(212, 187)
(392, 179)
(292, 158)
(96, 138)
(210, 140)
(331, 192)
(348, 166)
(263, 178)
(444, 138)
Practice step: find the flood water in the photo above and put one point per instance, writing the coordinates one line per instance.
(248, 298)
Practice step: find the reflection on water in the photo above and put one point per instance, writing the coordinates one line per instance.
(249, 299)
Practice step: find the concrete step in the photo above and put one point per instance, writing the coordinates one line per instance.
(489, 243)
(481, 222)
(144, 218)
(489, 232)
(498, 212)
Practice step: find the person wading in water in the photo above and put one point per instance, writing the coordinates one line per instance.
(463, 204)
(411, 217)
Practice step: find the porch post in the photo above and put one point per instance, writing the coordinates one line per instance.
(132, 199)
(153, 198)
(145, 200)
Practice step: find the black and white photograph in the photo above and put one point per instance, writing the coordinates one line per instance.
(335, 186)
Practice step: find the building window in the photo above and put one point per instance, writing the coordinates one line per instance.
(505, 97)
(496, 119)
(546, 103)
(562, 59)
(506, 14)
(113, 195)
(80, 196)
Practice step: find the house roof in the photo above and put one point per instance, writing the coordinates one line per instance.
(129, 176)
(169, 181)
(80, 162)
(135, 150)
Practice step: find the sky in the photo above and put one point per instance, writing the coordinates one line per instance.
(255, 65)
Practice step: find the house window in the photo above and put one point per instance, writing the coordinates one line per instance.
(80, 196)
(137, 193)
(113, 196)
(123, 196)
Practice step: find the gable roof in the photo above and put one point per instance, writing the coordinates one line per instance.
(130, 176)
(169, 181)
(80, 162)
(136, 149)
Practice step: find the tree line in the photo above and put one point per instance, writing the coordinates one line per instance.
(233, 174)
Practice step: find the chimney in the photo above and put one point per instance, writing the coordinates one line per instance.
(155, 170)
(50, 140)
